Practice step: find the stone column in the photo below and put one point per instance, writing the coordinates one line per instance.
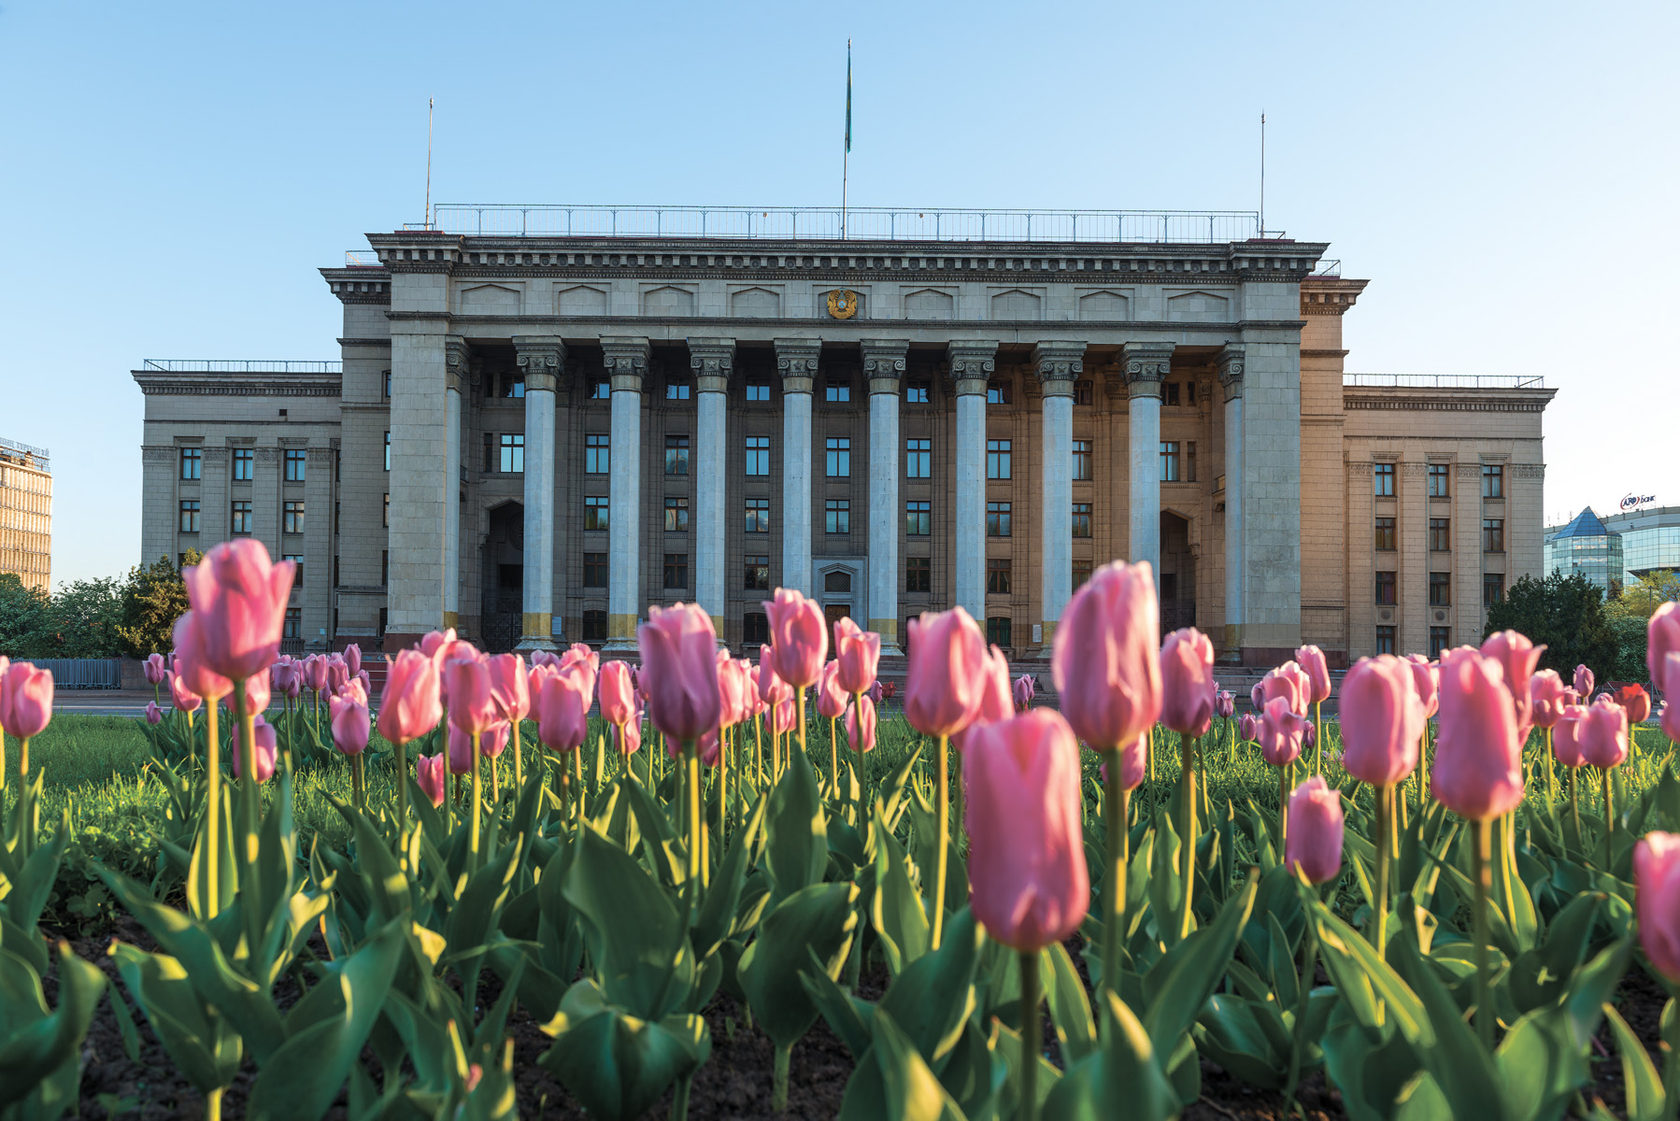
(1272, 495)
(1058, 365)
(626, 361)
(883, 366)
(972, 365)
(455, 359)
(713, 361)
(266, 500)
(796, 359)
(542, 357)
(1231, 377)
(318, 497)
(1146, 367)
(214, 502)
(160, 497)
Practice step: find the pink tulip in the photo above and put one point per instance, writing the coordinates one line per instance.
(858, 653)
(1224, 704)
(353, 659)
(26, 699)
(617, 692)
(1290, 682)
(266, 751)
(1635, 701)
(562, 709)
(434, 643)
(1257, 696)
(948, 661)
(1283, 733)
(799, 638)
(510, 687)
(472, 698)
(1023, 689)
(766, 677)
(1669, 683)
(350, 725)
(315, 674)
(861, 735)
(876, 692)
(409, 705)
(782, 716)
(240, 598)
(1426, 682)
(831, 699)
(1583, 682)
(1382, 720)
(1478, 755)
(191, 669)
(491, 743)
(354, 690)
(1662, 638)
(338, 673)
(1656, 898)
(1248, 728)
(996, 701)
(735, 684)
(281, 675)
(1187, 682)
(626, 738)
(679, 658)
(582, 659)
(156, 666)
(1028, 884)
(1518, 657)
(1314, 844)
(1134, 763)
(1566, 740)
(1603, 733)
(256, 694)
(154, 714)
(431, 773)
(1106, 663)
(184, 699)
(1547, 697)
(1311, 660)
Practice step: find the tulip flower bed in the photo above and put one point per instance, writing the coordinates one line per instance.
(750, 890)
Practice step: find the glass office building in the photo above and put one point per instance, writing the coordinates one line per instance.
(1586, 547)
(1650, 540)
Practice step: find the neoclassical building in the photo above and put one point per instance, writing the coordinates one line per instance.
(533, 436)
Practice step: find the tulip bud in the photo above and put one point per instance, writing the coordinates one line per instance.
(1106, 661)
(1023, 690)
(191, 669)
(1187, 682)
(831, 699)
(1311, 660)
(1314, 844)
(472, 701)
(1662, 638)
(1635, 701)
(26, 700)
(1248, 728)
(155, 667)
(409, 705)
(1382, 720)
(858, 653)
(353, 658)
(1282, 732)
(1603, 733)
(581, 659)
(861, 735)
(256, 694)
(184, 699)
(1518, 657)
(1547, 695)
(154, 714)
(617, 692)
(679, 663)
(491, 741)
(1224, 704)
(239, 597)
(350, 725)
(1290, 682)
(1478, 758)
(799, 638)
(1426, 682)
(947, 666)
(1583, 682)
(431, 774)
(1656, 900)
(996, 701)
(562, 710)
(1669, 683)
(266, 745)
(782, 716)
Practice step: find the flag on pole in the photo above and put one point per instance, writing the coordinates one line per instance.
(848, 95)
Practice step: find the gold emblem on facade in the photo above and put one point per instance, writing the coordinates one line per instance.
(842, 303)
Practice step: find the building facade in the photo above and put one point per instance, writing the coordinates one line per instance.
(534, 436)
(1616, 551)
(26, 514)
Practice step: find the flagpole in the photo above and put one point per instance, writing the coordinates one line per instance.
(429, 163)
(846, 156)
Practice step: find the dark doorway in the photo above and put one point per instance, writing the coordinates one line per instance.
(502, 563)
(1178, 574)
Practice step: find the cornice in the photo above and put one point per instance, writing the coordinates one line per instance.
(157, 383)
(756, 326)
(1368, 402)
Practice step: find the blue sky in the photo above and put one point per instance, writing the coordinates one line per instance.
(174, 174)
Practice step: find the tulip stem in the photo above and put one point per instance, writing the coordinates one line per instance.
(402, 796)
(1575, 801)
(1483, 883)
(1385, 824)
(248, 787)
(213, 1104)
(1309, 965)
(1116, 799)
(518, 761)
(758, 751)
(477, 789)
(943, 812)
(358, 782)
(212, 811)
(1032, 1036)
(1285, 773)
(1609, 809)
(1187, 750)
(691, 767)
(779, 1087)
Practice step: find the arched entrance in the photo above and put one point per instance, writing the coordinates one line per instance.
(1178, 574)
(502, 572)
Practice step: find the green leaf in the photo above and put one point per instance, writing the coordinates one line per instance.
(199, 1041)
(618, 1065)
(817, 920)
(636, 940)
(718, 910)
(1123, 1079)
(932, 998)
(1070, 1012)
(1182, 981)
(40, 1049)
(796, 831)
(892, 1082)
(896, 910)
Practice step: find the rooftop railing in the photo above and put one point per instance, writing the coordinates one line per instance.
(832, 224)
(242, 366)
(36, 457)
(1443, 381)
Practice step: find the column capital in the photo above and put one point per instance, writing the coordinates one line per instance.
(542, 357)
(883, 363)
(1231, 370)
(457, 358)
(796, 361)
(713, 362)
(1146, 366)
(625, 359)
(972, 365)
(1057, 365)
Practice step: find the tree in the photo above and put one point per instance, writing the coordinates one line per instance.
(153, 598)
(83, 618)
(1629, 615)
(1567, 614)
(23, 618)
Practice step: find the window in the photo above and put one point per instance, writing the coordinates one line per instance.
(1493, 480)
(595, 512)
(384, 571)
(758, 455)
(241, 518)
(839, 462)
(1440, 535)
(837, 581)
(595, 626)
(918, 519)
(386, 519)
(189, 515)
(758, 391)
(755, 629)
(676, 570)
(1189, 393)
(1172, 393)
(837, 391)
(918, 574)
(512, 457)
(1493, 535)
(918, 459)
(294, 623)
(757, 575)
(1190, 461)
(1169, 461)
(997, 459)
(837, 515)
(192, 463)
(1082, 394)
(1082, 519)
(758, 515)
(1384, 542)
(293, 522)
(387, 451)
(676, 515)
(997, 519)
(597, 454)
(600, 390)
(1081, 572)
(244, 464)
(1385, 640)
(513, 384)
(676, 391)
(387, 383)
(997, 630)
(916, 393)
(997, 576)
(1383, 474)
(1438, 480)
(297, 573)
(594, 570)
(1385, 588)
(676, 455)
(1440, 590)
(1439, 639)
(1081, 460)
(1493, 588)
(997, 393)
(296, 466)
